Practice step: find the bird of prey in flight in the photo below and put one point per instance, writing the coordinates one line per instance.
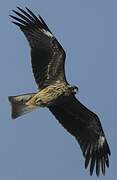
(55, 93)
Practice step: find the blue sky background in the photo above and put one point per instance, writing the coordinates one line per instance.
(36, 146)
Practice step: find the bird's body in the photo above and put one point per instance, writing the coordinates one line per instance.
(51, 95)
(55, 93)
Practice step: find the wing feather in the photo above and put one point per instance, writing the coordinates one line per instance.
(47, 55)
(86, 127)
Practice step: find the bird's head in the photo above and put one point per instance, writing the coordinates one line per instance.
(74, 89)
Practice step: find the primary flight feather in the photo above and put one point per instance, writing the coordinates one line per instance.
(55, 93)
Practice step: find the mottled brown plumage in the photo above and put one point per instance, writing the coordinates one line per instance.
(48, 60)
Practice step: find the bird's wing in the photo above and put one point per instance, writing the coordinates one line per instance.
(87, 129)
(47, 55)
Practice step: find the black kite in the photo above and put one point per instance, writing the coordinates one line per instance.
(48, 60)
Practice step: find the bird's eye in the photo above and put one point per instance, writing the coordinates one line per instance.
(75, 88)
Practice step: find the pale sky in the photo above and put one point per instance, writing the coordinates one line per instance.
(36, 146)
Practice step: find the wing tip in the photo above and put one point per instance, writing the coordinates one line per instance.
(26, 18)
(97, 158)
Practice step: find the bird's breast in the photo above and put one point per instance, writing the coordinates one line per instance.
(51, 95)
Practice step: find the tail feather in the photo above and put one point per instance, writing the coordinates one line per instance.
(19, 106)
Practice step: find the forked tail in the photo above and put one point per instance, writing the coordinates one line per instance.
(19, 106)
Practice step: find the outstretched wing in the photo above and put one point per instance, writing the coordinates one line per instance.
(87, 129)
(47, 55)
